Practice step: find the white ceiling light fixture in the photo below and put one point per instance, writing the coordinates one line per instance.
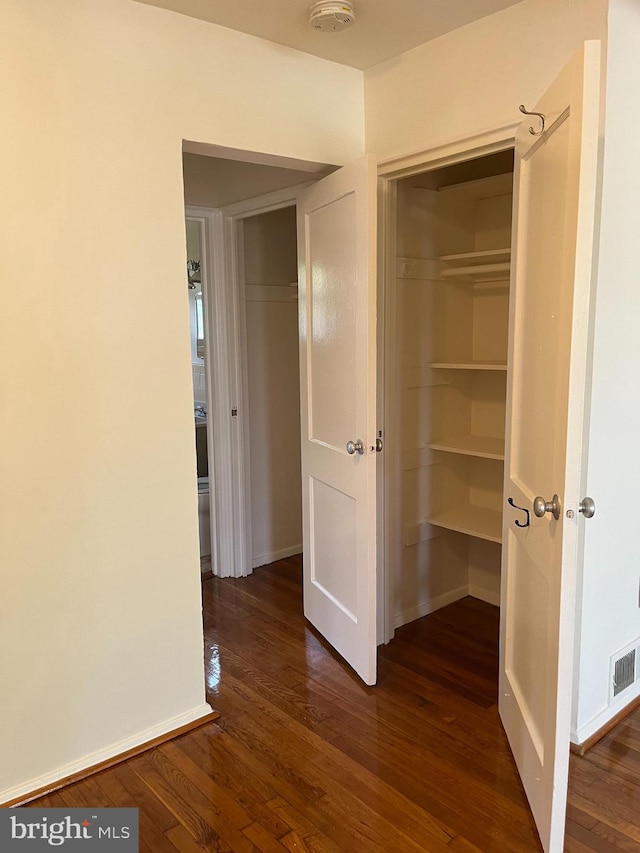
(331, 17)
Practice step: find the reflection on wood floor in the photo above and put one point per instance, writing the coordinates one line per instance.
(306, 758)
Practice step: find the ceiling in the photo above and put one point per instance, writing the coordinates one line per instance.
(215, 182)
(383, 28)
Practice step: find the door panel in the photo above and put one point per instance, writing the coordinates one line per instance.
(555, 202)
(337, 311)
(331, 231)
(333, 517)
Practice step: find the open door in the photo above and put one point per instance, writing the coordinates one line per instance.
(337, 311)
(556, 192)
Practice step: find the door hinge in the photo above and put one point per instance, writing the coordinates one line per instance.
(234, 413)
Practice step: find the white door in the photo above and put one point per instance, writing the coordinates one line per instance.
(337, 311)
(556, 187)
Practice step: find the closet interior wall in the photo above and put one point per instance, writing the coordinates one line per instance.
(271, 304)
(451, 337)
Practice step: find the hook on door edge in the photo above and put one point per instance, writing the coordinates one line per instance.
(527, 112)
(522, 509)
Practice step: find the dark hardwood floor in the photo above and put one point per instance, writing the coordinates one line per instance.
(306, 758)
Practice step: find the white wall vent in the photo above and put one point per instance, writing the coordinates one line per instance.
(623, 671)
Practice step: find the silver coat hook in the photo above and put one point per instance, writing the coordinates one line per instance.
(531, 113)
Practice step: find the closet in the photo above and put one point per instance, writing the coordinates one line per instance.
(448, 388)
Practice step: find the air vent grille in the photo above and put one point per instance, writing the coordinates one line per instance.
(624, 672)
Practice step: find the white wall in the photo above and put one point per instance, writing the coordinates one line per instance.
(270, 256)
(610, 617)
(473, 78)
(101, 632)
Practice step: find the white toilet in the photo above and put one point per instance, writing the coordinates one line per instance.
(203, 516)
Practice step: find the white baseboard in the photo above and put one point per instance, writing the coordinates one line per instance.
(265, 559)
(426, 607)
(584, 732)
(94, 758)
(487, 595)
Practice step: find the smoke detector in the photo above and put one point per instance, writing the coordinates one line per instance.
(331, 17)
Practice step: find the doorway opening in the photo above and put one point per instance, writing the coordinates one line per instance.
(445, 403)
(246, 381)
(197, 275)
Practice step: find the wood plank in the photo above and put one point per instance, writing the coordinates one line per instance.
(265, 842)
(205, 821)
(303, 830)
(182, 840)
(292, 842)
(237, 780)
(461, 845)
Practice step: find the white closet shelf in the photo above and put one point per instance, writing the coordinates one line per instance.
(483, 446)
(488, 265)
(467, 365)
(470, 519)
(474, 258)
(488, 272)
